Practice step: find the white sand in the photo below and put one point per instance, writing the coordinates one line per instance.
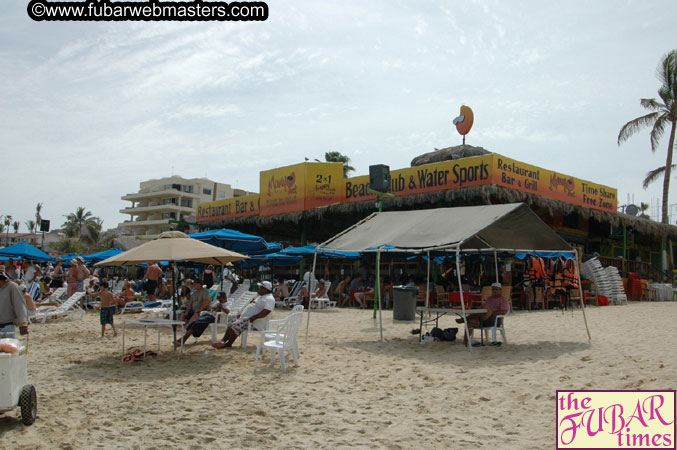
(349, 390)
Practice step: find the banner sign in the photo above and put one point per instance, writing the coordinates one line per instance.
(304, 186)
(229, 208)
(546, 183)
(300, 187)
(427, 178)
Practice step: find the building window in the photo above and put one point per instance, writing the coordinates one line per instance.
(188, 203)
(207, 191)
(185, 188)
(222, 194)
(169, 201)
(170, 215)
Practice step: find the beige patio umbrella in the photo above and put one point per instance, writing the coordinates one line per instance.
(173, 246)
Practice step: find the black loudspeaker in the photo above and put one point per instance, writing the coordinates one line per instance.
(379, 178)
(44, 225)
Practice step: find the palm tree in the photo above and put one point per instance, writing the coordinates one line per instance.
(8, 221)
(38, 217)
(15, 226)
(643, 208)
(30, 224)
(338, 157)
(76, 222)
(663, 114)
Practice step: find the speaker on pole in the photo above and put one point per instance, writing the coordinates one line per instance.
(379, 178)
(44, 225)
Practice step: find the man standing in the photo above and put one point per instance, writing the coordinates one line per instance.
(228, 275)
(153, 274)
(82, 274)
(259, 308)
(12, 307)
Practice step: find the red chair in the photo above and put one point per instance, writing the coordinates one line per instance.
(455, 299)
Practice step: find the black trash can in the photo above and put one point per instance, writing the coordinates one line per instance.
(404, 303)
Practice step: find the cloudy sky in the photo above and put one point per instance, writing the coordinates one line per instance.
(88, 110)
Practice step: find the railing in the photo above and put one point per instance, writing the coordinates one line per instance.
(645, 269)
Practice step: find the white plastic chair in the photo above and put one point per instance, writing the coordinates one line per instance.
(282, 337)
(324, 301)
(258, 325)
(501, 327)
(223, 319)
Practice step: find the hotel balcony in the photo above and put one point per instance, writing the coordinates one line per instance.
(158, 209)
(159, 194)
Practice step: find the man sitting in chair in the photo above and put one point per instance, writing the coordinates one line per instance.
(495, 304)
(199, 325)
(259, 308)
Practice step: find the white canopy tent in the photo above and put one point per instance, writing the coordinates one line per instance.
(511, 228)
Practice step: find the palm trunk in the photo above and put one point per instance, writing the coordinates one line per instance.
(668, 168)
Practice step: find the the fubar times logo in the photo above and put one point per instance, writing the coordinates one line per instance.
(615, 419)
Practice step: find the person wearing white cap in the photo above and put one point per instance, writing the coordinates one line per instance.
(495, 304)
(259, 308)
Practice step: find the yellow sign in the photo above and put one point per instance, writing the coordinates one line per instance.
(229, 208)
(310, 185)
(300, 187)
(461, 173)
(546, 183)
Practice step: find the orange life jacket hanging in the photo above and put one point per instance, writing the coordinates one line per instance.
(571, 274)
(536, 269)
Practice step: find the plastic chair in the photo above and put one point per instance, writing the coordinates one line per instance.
(257, 325)
(499, 324)
(282, 339)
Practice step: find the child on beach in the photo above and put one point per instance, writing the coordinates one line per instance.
(107, 308)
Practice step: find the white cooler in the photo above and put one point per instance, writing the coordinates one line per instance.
(14, 387)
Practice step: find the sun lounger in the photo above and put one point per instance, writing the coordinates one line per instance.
(70, 308)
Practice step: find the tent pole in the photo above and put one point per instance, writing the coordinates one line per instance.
(460, 290)
(580, 293)
(310, 283)
(496, 266)
(378, 284)
(427, 285)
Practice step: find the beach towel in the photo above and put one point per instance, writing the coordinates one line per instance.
(34, 290)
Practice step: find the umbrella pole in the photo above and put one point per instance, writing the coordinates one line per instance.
(174, 280)
(310, 283)
(378, 292)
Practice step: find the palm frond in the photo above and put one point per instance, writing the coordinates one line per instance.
(653, 175)
(651, 104)
(658, 130)
(667, 70)
(632, 127)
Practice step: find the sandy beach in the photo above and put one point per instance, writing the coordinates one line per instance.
(349, 390)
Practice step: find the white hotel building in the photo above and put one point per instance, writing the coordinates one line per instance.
(172, 198)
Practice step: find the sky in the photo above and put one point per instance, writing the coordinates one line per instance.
(88, 110)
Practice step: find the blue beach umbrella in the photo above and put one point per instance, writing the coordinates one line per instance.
(100, 256)
(274, 259)
(309, 250)
(234, 240)
(25, 250)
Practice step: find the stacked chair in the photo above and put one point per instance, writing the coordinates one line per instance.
(608, 281)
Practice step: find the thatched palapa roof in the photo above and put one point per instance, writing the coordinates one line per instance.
(449, 154)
